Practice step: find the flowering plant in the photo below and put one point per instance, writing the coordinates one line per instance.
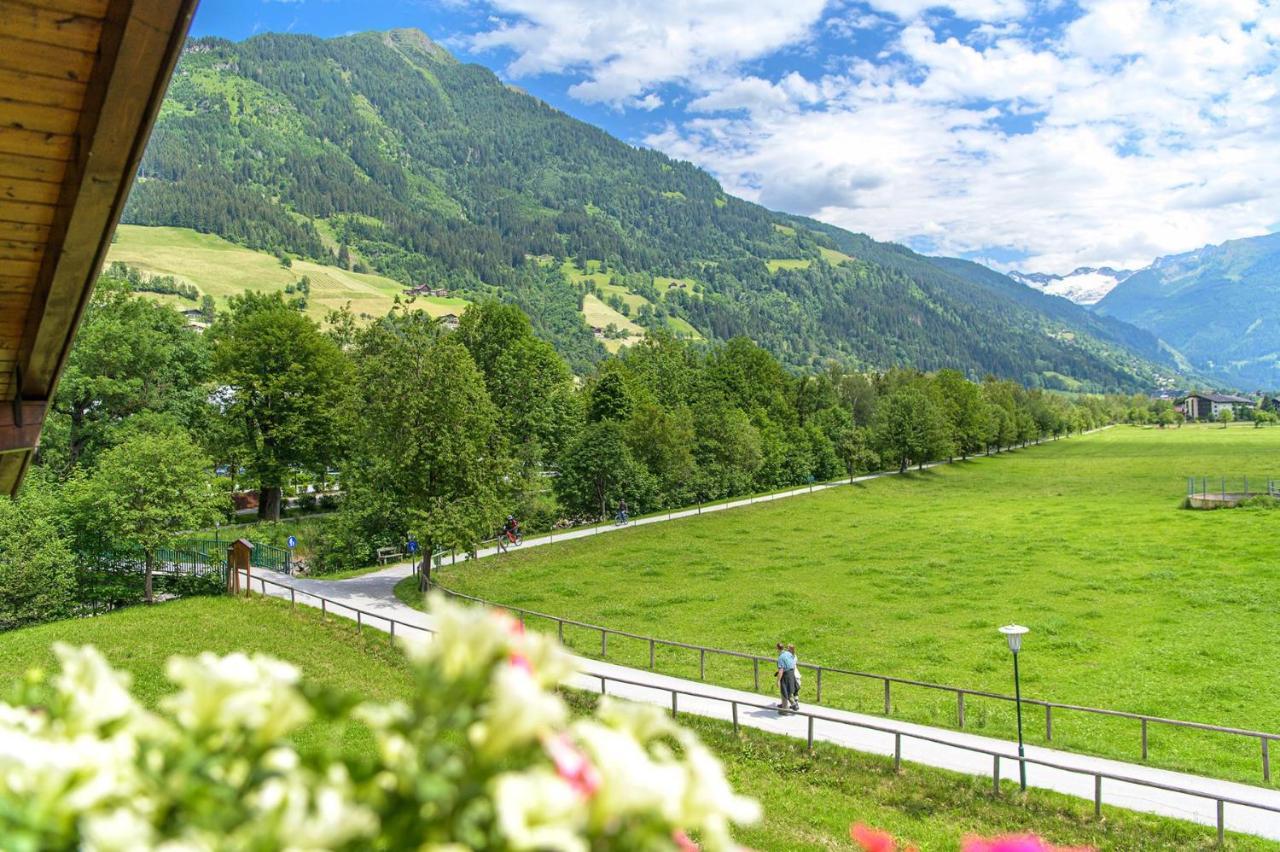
(875, 840)
(484, 754)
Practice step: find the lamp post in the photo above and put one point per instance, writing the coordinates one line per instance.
(1013, 633)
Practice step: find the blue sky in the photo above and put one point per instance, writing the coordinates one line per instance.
(1034, 134)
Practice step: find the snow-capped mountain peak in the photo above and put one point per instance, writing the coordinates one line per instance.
(1084, 285)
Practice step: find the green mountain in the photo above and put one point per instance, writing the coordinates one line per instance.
(1219, 306)
(381, 152)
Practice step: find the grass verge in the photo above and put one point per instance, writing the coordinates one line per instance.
(809, 799)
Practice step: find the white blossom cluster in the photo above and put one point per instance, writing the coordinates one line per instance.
(484, 755)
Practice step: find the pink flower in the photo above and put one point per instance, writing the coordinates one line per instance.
(514, 626)
(872, 839)
(572, 765)
(683, 843)
(520, 661)
(1016, 843)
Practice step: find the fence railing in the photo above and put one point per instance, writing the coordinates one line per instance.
(362, 616)
(1228, 487)
(1264, 738)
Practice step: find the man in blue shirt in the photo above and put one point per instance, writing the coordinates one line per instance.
(787, 678)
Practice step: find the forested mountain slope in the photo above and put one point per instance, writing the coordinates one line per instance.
(380, 150)
(1219, 305)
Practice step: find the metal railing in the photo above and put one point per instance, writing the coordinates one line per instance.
(1098, 776)
(961, 693)
(1224, 487)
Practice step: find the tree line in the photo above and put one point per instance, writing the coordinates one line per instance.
(440, 434)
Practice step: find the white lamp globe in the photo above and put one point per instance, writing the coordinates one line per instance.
(1013, 633)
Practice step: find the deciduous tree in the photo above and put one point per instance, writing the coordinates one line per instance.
(428, 442)
(286, 386)
(147, 489)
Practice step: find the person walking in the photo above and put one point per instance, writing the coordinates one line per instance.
(795, 677)
(786, 675)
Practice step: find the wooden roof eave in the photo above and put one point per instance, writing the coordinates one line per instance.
(138, 46)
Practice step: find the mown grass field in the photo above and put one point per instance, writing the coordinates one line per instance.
(1133, 603)
(809, 799)
(598, 313)
(221, 269)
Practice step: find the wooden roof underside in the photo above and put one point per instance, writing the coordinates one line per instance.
(80, 85)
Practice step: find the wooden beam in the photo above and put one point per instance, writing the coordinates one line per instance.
(43, 25)
(63, 63)
(139, 45)
(20, 436)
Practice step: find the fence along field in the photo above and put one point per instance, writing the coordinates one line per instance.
(1135, 604)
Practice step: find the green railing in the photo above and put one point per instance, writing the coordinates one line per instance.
(214, 551)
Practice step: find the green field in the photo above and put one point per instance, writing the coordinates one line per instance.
(788, 263)
(140, 640)
(809, 800)
(598, 313)
(223, 269)
(1133, 603)
(833, 257)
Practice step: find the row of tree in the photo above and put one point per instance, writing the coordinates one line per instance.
(440, 433)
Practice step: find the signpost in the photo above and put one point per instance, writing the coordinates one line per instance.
(412, 547)
(293, 542)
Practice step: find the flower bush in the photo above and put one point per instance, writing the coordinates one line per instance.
(484, 755)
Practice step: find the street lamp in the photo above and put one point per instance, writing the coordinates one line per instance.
(1013, 633)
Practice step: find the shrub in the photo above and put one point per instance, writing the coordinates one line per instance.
(37, 568)
(483, 755)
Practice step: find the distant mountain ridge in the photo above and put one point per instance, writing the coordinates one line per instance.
(381, 151)
(1085, 285)
(1218, 305)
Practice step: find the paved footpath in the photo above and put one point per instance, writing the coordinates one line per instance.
(373, 594)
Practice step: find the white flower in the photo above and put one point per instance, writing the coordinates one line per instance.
(536, 810)
(237, 693)
(96, 694)
(517, 713)
(633, 782)
(120, 829)
(306, 813)
(710, 804)
(467, 641)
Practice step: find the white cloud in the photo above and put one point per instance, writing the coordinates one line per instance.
(1140, 129)
(625, 48)
(972, 10)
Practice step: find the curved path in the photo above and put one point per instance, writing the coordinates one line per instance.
(373, 595)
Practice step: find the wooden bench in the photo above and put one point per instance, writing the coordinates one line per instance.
(386, 554)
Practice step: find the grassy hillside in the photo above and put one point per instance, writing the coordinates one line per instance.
(809, 800)
(221, 269)
(1133, 602)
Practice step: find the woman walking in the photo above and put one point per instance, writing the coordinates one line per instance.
(786, 676)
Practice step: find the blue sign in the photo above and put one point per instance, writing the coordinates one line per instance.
(413, 546)
(293, 542)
